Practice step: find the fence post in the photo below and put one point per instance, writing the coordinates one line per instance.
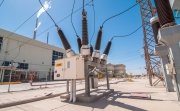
(10, 76)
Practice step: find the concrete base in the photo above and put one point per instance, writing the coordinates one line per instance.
(95, 95)
(163, 52)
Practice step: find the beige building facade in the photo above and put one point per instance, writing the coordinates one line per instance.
(26, 53)
(116, 69)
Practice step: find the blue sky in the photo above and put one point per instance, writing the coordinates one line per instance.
(127, 51)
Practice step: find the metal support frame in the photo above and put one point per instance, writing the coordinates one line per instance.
(107, 78)
(2, 77)
(1, 71)
(152, 61)
(87, 87)
(73, 91)
(67, 87)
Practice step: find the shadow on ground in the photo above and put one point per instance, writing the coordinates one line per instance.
(112, 100)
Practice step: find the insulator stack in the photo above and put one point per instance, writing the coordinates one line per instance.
(63, 39)
(107, 49)
(155, 26)
(79, 43)
(91, 50)
(98, 40)
(84, 29)
(165, 13)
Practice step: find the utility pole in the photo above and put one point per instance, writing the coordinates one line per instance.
(152, 61)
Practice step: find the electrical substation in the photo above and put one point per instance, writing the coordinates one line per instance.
(166, 40)
(77, 72)
(82, 65)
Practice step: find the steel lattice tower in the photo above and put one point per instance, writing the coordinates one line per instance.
(152, 61)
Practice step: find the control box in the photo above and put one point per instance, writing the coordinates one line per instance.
(69, 68)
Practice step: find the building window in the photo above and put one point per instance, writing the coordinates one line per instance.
(23, 66)
(20, 65)
(1, 43)
(56, 55)
(6, 63)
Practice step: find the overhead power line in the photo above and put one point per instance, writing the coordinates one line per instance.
(48, 14)
(94, 15)
(72, 19)
(11, 34)
(127, 35)
(66, 17)
(120, 13)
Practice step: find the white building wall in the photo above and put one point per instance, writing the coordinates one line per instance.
(24, 50)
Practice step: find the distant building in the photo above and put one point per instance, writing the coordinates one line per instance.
(116, 70)
(27, 54)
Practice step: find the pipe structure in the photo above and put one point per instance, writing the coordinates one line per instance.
(67, 86)
(74, 90)
(165, 13)
(155, 26)
(71, 92)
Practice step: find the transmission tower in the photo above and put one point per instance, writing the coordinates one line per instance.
(152, 61)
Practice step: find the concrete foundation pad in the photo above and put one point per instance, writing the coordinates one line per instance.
(95, 95)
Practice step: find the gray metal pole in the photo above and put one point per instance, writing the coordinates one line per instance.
(74, 90)
(92, 82)
(2, 75)
(26, 75)
(107, 78)
(10, 76)
(46, 78)
(71, 92)
(67, 87)
(87, 88)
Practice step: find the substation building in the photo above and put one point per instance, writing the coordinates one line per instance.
(116, 70)
(26, 57)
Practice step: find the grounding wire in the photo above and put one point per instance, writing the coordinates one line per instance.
(127, 35)
(94, 15)
(72, 19)
(12, 33)
(120, 13)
